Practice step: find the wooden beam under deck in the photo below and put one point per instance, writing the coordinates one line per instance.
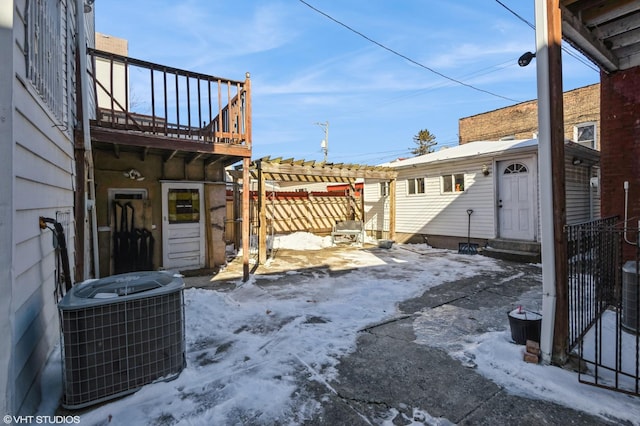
(105, 135)
(170, 155)
(194, 157)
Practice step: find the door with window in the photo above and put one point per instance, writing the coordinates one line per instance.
(516, 200)
(183, 239)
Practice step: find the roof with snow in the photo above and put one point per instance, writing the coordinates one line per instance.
(470, 149)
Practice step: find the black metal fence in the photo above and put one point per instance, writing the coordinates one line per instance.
(593, 256)
(604, 290)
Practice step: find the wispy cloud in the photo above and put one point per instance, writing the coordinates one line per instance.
(306, 68)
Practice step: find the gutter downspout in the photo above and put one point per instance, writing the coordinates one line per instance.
(86, 135)
(546, 179)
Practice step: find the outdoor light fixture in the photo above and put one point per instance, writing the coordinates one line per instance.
(525, 59)
(576, 161)
(485, 170)
(133, 174)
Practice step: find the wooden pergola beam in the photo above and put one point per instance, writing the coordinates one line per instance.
(291, 170)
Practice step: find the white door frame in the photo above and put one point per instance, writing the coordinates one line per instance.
(530, 163)
(199, 262)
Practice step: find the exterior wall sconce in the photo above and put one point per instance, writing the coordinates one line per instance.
(525, 59)
(576, 161)
(485, 170)
(133, 174)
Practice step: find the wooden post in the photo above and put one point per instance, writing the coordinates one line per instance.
(552, 181)
(246, 190)
(561, 329)
(262, 216)
(351, 196)
(237, 214)
(392, 209)
(247, 112)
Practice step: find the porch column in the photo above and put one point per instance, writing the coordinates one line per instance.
(237, 214)
(246, 190)
(392, 209)
(262, 216)
(553, 342)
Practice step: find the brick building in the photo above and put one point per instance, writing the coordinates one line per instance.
(621, 146)
(520, 121)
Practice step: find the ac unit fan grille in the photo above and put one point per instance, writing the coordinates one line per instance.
(113, 349)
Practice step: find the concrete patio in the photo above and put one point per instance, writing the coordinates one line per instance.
(391, 372)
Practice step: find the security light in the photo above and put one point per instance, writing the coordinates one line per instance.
(525, 59)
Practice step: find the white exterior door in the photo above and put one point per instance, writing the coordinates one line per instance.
(516, 200)
(183, 238)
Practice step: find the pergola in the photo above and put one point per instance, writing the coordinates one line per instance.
(291, 170)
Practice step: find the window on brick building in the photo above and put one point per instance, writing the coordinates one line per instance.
(585, 134)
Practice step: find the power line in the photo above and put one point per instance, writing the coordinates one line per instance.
(567, 51)
(404, 56)
(516, 15)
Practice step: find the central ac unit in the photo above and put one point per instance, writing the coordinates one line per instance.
(120, 333)
(630, 300)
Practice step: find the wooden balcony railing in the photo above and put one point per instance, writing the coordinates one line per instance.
(139, 96)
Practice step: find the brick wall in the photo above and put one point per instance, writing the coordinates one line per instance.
(521, 120)
(620, 134)
(112, 44)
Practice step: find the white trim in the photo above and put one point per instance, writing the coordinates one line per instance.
(529, 163)
(415, 180)
(111, 196)
(453, 183)
(589, 143)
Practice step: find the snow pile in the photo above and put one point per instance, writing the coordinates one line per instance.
(496, 357)
(248, 349)
(299, 241)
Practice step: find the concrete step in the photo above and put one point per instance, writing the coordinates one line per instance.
(517, 245)
(512, 255)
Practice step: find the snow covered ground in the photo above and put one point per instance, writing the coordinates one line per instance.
(248, 348)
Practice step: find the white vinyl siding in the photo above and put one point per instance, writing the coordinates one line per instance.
(445, 213)
(40, 182)
(583, 203)
(438, 213)
(376, 207)
(43, 186)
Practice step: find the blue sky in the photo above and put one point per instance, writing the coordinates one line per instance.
(306, 68)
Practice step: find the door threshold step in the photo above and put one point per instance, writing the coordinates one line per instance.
(512, 255)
